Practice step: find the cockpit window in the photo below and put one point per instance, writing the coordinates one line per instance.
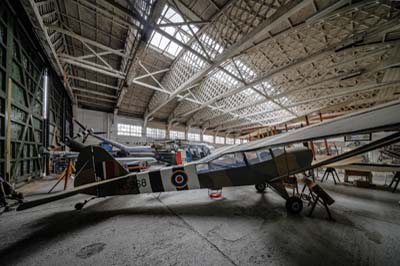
(252, 157)
(277, 152)
(264, 155)
(227, 161)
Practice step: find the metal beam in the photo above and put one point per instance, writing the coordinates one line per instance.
(150, 74)
(289, 92)
(78, 89)
(246, 41)
(357, 89)
(94, 98)
(181, 97)
(94, 82)
(92, 55)
(324, 13)
(46, 15)
(50, 44)
(86, 102)
(88, 41)
(177, 24)
(310, 58)
(91, 66)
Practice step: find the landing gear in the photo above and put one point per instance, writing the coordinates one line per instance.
(261, 187)
(294, 205)
(79, 206)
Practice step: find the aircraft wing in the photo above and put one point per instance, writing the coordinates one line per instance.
(120, 146)
(379, 118)
(371, 167)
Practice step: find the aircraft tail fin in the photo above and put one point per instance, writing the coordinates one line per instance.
(98, 173)
(96, 164)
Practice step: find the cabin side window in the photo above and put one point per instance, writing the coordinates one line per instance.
(264, 155)
(277, 152)
(202, 167)
(252, 157)
(227, 161)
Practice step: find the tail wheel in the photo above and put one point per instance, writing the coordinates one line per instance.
(294, 205)
(261, 187)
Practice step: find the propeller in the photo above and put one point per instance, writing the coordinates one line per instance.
(86, 131)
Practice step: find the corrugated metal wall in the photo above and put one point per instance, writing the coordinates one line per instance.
(22, 127)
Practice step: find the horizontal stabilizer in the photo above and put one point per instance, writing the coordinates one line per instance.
(70, 193)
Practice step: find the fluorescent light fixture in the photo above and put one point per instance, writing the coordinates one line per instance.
(45, 94)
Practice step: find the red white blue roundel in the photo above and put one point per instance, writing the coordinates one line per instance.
(179, 179)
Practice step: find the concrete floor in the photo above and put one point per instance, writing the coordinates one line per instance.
(188, 228)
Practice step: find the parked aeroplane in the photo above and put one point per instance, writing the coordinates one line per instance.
(126, 150)
(261, 162)
(131, 163)
(171, 152)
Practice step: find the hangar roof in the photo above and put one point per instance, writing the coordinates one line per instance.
(229, 66)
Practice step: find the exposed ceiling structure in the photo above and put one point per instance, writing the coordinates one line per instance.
(228, 66)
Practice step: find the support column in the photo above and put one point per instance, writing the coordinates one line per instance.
(311, 143)
(167, 129)
(325, 141)
(187, 128)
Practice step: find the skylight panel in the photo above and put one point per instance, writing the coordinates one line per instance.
(245, 70)
(180, 32)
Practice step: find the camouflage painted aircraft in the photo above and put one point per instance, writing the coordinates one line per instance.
(261, 162)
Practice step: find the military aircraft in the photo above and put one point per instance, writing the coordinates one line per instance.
(132, 164)
(261, 162)
(167, 151)
(145, 150)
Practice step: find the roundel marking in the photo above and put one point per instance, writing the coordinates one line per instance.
(179, 179)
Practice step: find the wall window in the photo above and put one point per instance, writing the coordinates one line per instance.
(230, 141)
(173, 134)
(208, 138)
(219, 140)
(129, 130)
(237, 141)
(244, 141)
(193, 136)
(155, 133)
(124, 130)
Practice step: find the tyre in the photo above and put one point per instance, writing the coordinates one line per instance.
(79, 206)
(294, 205)
(261, 187)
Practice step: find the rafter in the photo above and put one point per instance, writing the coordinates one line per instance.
(91, 66)
(358, 89)
(100, 94)
(94, 82)
(88, 41)
(280, 15)
(382, 48)
(50, 44)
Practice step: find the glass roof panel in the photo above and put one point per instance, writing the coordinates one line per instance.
(181, 32)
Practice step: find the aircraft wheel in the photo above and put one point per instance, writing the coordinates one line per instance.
(261, 187)
(79, 206)
(294, 205)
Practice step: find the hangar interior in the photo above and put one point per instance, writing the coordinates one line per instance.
(272, 126)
